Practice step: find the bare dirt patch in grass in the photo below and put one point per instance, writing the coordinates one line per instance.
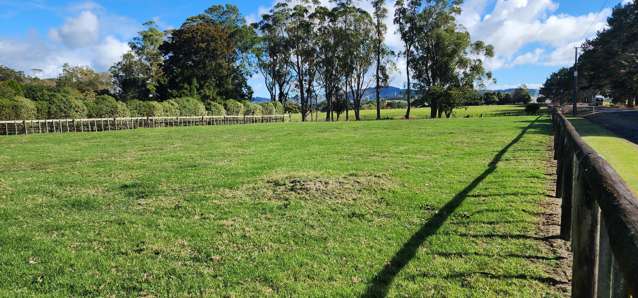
(549, 229)
(309, 187)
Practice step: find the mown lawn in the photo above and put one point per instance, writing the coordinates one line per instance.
(424, 113)
(398, 208)
(621, 154)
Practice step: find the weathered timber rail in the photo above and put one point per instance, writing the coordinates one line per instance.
(25, 127)
(599, 216)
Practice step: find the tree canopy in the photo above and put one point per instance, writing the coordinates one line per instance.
(306, 51)
(608, 64)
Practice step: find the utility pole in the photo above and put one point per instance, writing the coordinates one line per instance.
(575, 106)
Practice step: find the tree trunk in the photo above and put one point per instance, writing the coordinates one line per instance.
(330, 98)
(347, 102)
(378, 88)
(302, 95)
(434, 108)
(407, 70)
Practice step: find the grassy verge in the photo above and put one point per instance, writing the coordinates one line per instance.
(403, 208)
(423, 113)
(620, 153)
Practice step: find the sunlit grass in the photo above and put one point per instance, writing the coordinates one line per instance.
(423, 113)
(408, 208)
(619, 152)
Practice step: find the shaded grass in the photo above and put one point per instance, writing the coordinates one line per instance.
(147, 212)
(621, 154)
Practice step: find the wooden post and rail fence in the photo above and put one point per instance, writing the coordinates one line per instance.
(599, 216)
(25, 127)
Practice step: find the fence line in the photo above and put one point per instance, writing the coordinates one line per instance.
(25, 127)
(599, 216)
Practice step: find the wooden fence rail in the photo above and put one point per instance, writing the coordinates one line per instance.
(599, 216)
(25, 127)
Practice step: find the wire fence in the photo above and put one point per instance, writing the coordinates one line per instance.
(26, 127)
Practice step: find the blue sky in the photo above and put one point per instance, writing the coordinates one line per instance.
(532, 38)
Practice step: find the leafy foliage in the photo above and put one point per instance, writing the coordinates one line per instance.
(61, 106)
(279, 107)
(170, 108)
(267, 108)
(140, 108)
(521, 95)
(233, 107)
(209, 51)
(189, 106)
(105, 106)
(216, 109)
(84, 79)
(252, 109)
(608, 64)
(17, 108)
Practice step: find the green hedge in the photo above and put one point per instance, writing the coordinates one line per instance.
(279, 107)
(267, 108)
(233, 107)
(104, 106)
(42, 108)
(65, 107)
(170, 108)
(292, 107)
(140, 108)
(252, 109)
(18, 108)
(216, 109)
(190, 106)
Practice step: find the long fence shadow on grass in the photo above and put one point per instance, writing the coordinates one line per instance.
(382, 281)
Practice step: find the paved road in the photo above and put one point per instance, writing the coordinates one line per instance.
(623, 123)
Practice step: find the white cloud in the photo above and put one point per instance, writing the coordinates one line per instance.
(89, 38)
(78, 32)
(529, 57)
(512, 86)
(513, 25)
(109, 52)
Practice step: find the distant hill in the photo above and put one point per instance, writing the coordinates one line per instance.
(385, 93)
(258, 99)
(532, 92)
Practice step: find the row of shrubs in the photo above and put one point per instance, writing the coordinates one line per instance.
(61, 107)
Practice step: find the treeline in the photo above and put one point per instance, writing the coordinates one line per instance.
(608, 65)
(338, 52)
(306, 52)
(79, 92)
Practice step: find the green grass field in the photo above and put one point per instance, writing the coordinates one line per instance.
(621, 154)
(423, 113)
(399, 208)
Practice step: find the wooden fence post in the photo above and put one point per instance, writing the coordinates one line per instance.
(585, 227)
(562, 152)
(567, 178)
(605, 262)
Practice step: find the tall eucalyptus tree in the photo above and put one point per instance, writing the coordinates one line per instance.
(303, 58)
(273, 52)
(405, 17)
(381, 50)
